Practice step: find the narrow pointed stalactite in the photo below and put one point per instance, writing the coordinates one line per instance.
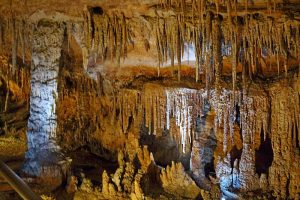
(198, 51)
(217, 56)
(234, 67)
(69, 34)
(209, 72)
(7, 93)
(285, 63)
(1, 35)
(14, 49)
(178, 49)
(158, 46)
(21, 34)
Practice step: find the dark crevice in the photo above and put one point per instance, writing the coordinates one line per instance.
(209, 169)
(287, 187)
(130, 120)
(97, 10)
(264, 155)
(238, 114)
(235, 153)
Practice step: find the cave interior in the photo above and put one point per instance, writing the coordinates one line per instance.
(149, 99)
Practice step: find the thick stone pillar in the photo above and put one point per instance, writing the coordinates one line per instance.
(43, 153)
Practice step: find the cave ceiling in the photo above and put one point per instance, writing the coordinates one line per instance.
(215, 38)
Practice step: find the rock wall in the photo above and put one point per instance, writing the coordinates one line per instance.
(220, 136)
(284, 174)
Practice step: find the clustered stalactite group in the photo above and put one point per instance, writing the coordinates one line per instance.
(254, 40)
(16, 35)
(15, 39)
(260, 116)
(106, 36)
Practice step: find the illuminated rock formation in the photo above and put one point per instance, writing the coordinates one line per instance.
(212, 86)
(43, 156)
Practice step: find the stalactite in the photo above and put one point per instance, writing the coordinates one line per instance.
(245, 63)
(208, 51)
(217, 56)
(14, 44)
(159, 46)
(297, 45)
(7, 92)
(184, 105)
(178, 49)
(229, 14)
(1, 36)
(198, 51)
(111, 34)
(21, 33)
(69, 34)
(234, 66)
(285, 65)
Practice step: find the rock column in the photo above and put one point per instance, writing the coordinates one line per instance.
(43, 152)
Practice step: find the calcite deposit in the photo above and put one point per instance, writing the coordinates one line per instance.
(169, 99)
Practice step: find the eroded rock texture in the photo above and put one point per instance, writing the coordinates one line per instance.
(43, 150)
(48, 39)
(218, 139)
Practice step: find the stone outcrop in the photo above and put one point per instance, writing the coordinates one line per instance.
(284, 173)
(125, 183)
(177, 182)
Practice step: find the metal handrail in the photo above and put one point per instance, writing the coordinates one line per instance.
(17, 183)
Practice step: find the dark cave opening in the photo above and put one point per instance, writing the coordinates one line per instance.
(130, 121)
(264, 155)
(97, 10)
(235, 153)
(238, 114)
(165, 148)
(209, 169)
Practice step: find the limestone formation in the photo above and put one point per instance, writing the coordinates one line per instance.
(212, 86)
(177, 182)
(71, 184)
(48, 38)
